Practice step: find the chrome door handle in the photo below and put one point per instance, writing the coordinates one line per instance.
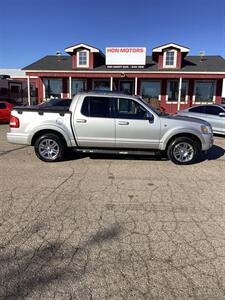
(123, 123)
(81, 121)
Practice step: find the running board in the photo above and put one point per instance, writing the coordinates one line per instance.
(119, 151)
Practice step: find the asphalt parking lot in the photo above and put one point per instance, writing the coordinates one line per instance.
(111, 228)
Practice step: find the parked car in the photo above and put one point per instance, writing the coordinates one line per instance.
(212, 113)
(5, 111)
(108, 123)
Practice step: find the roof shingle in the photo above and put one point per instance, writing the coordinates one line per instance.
(190, 64)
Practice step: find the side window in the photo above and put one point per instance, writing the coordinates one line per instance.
(96, 107)
(85, 107)
(198, 109)
(2, 106)
(129, 109)
(213, 110)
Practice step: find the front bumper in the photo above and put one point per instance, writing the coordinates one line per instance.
(208, 142)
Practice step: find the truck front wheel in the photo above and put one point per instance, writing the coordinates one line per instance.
(183, 151)
(49, 148)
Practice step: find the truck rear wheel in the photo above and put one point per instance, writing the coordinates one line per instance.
(49, 148)
(183, 151)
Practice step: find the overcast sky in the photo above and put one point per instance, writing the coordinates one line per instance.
(31, 29)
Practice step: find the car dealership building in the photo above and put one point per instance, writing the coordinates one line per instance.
(169, 78)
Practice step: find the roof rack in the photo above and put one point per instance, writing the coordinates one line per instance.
(104, 92)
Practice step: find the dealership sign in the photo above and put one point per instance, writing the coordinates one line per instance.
(126, 57)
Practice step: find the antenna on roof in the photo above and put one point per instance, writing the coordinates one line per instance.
(202, 55)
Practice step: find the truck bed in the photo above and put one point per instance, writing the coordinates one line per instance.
(42, 109)
(36, 118)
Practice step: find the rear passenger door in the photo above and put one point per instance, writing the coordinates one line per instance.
(94, 123)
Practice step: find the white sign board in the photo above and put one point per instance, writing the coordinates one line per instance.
(125, 56)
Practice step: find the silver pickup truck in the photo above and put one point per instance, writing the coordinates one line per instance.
(108, 123)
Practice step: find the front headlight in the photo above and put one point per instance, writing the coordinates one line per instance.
(206, 129)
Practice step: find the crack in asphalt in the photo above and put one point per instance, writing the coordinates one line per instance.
(12, 150)
(108, 229)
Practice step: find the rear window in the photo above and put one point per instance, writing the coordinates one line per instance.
(98, 107)
(198, 109)
(2, 105)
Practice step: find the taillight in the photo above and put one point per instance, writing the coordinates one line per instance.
(14, 122)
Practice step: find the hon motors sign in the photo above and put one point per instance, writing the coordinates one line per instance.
(125, 57)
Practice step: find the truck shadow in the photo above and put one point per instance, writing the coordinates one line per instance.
(219, 135)
(214, 153)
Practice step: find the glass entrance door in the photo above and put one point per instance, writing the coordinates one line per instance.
(78, 85)
(16, 91)
(126, 87)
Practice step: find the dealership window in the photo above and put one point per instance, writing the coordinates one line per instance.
(150, 89)
(170, 58)
(3, 91)
(53, 88)
(16, 91)
(173, 90)
(78, 85)
(101, 85)
(83, 58)
(126, 86)
(204, 90)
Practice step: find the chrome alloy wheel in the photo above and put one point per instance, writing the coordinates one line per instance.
(48, 149)
(183, 152)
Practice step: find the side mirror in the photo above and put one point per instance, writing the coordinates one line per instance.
(149, 117)
(222, 114)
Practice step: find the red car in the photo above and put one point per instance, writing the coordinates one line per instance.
(5, 111)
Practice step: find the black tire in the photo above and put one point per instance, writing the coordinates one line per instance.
(183, 155)
(54, 152)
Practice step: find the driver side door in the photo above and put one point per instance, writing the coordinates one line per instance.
(133, 129)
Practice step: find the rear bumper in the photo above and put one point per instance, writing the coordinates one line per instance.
(18, 138)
